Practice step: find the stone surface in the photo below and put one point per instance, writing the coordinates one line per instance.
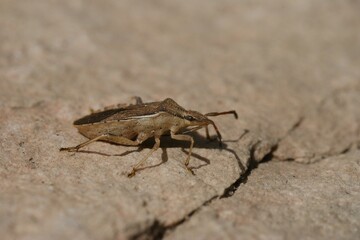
(289, 69)
(282, 201)
(336, 121)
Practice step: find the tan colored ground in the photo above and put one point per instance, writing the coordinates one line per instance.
(289, 68)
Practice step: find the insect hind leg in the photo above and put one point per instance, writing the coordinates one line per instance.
(76, 148)
(107, 138)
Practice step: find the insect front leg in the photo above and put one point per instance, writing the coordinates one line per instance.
(207, 133)
(185, 138)
(155, 147)
(208, 137)
(137, 99)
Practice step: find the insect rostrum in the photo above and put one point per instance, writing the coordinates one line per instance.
(133, 124)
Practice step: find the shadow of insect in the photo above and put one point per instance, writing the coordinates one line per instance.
(201, 142)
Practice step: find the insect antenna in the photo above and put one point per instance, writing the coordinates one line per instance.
(222, 113)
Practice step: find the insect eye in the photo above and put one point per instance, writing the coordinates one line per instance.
(189, 118)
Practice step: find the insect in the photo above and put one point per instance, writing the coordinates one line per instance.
(134, 123)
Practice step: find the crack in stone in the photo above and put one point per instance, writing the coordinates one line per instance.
(155, 231)
(295, 126)
(158, 230)
(333, 97)
(253, 164)
(319, 157)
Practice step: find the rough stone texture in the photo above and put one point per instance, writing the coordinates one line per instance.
(336, 121)
(290, 69)
(282, 201)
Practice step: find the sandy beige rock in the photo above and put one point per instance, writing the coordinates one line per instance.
(286, 68)
(284, 200)
(331, 128)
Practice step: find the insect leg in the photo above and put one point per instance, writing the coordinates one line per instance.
(107, 138)
(76, 148)
(192, 129)
(155, 147)
(207, 133)
(185, 138)
(197, 128)
(137, 99)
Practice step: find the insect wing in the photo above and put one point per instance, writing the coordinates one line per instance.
(119, 113)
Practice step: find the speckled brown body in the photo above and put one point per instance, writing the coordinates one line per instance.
(134, 128)
(133, 124)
